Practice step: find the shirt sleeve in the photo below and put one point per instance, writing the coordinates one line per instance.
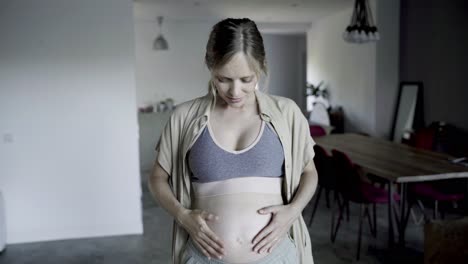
(165, 146)
(302, 130)
(309, 152)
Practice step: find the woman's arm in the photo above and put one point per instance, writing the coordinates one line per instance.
(158, 183)
(306, 189)
(285, 215)
(194, 221)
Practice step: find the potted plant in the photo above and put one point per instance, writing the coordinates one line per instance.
(316, 94)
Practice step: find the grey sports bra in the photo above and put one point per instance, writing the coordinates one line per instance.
(209, 161)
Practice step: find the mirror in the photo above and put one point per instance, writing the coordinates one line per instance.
(409, 112)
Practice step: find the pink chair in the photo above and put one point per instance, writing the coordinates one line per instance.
(352, 189)
(423, 138)
(317, 131)
(431, 191)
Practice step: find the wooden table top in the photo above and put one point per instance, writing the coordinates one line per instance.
(393, 161)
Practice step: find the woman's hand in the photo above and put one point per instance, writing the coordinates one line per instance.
(281, 221)
(194, 221)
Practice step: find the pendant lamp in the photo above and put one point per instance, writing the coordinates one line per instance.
(361, 28)
(160, 43)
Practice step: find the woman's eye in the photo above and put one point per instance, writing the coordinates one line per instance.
(222, 80)
(247, 80)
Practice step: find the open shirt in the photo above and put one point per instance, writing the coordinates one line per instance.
(186, 123)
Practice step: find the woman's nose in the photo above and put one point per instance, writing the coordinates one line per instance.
(235, 89)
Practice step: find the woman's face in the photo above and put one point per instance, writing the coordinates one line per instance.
(235, 81)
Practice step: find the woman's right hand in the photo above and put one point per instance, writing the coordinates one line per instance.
(194, 222)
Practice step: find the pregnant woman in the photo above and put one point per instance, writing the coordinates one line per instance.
(235, 167)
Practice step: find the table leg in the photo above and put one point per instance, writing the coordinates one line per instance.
(403, 222)
(391, 235)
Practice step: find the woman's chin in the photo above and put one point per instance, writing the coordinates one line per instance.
(239, 103)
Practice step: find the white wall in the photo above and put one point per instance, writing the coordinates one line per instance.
(67, 102)
(348, 70)
(363, 78)
(180, 72)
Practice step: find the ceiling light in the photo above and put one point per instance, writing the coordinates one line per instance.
(160, 43)
(362, 28)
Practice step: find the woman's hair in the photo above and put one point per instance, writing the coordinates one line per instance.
(232, 35)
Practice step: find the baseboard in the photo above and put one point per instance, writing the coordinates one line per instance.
(42, 235)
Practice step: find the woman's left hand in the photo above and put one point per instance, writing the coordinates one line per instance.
(283, 217)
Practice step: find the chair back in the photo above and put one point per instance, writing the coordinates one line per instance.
(423, 138)
(317, 131)
(323, 164)
(348, 181)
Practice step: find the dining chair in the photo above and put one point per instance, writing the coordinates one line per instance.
(353, 189)
(424, 138)
(317, 131)
(417, 192)
(326, 177)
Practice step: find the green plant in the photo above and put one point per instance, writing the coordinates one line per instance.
(316, 91)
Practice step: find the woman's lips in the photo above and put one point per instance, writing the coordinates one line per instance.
(235, 100)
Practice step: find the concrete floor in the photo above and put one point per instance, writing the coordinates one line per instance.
(154, 246)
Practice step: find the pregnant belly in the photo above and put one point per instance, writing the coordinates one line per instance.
(239, 222)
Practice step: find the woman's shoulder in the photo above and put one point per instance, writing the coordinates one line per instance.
(281, 103)
(188, 109)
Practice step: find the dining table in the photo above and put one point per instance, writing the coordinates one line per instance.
(396, 164)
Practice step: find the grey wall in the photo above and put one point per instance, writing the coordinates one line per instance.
(286, 56)
(434, 41)
(387, 66)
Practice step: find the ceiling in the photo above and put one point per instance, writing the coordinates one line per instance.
(282, 15)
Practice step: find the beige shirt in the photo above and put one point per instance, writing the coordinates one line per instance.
(186, 124)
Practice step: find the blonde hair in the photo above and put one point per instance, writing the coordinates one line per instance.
(230, 36)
